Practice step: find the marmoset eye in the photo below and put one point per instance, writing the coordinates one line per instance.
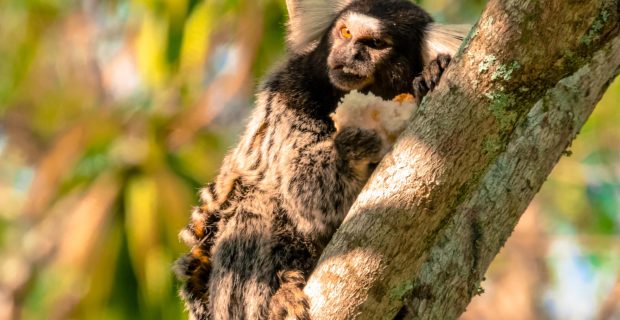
(378, 44)
(345, 33)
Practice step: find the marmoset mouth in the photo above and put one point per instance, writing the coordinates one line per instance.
(346, 78)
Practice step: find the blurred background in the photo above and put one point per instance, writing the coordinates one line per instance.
(114, 113)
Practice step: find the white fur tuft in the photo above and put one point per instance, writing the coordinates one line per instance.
(309, 19)
(387, 118)
(443, 38)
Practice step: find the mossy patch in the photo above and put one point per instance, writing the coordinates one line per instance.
(500, 108)
(492, 144)
(487, 61)
(595, 30)
(505, 71)
(398, 292)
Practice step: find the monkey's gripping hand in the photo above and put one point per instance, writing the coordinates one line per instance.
(358, 144)
(430, 76)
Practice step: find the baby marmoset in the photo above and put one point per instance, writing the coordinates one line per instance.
(286, 187)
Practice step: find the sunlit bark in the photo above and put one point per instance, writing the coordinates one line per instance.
(440, 206)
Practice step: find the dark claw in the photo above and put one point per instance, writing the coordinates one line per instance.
(444, 60)
(430, 76)
(419, 89)
(435, 73)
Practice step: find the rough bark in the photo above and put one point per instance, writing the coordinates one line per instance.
(440, 206)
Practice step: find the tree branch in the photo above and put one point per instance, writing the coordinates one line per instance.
(439, 207)
(481, 225)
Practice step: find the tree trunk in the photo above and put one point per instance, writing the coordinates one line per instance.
(440, 206)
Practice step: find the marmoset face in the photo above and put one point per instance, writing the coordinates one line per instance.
(360, 47)
(377, 48)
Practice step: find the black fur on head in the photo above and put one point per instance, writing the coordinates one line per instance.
(383, 55)
(376, 46)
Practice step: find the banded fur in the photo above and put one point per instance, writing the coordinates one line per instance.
(285, 188)
(272, 201)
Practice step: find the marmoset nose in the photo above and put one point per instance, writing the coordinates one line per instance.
(355, 53)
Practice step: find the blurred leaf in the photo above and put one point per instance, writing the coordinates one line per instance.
(172, 208)
(141, 223)
(195, 45)
(151, 48)
(123, 301)
(102, 277)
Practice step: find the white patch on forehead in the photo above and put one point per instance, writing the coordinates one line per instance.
(361, 23)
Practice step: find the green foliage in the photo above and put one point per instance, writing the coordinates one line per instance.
(108, 104)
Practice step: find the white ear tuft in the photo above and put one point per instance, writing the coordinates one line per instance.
(443, 38)
(309, 19)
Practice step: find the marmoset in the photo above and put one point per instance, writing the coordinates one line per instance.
(286, 187)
